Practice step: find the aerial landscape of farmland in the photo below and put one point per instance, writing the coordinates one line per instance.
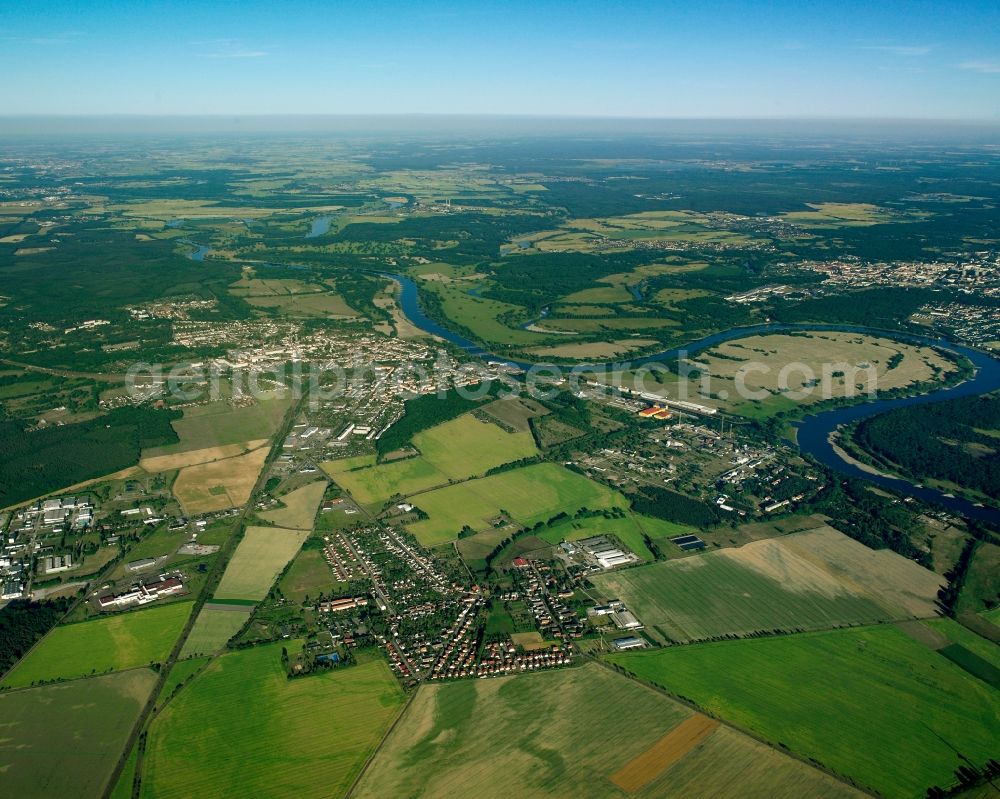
(500, 400)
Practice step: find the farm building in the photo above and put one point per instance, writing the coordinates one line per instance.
(631, 642)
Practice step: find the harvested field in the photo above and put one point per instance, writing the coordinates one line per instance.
(804, 581)
(300, 508)
(166, 463)
(672, 747)
(327, 304)
(843, 360)
(64, 740)
(220, 484)
(260, 557)
(564, 734)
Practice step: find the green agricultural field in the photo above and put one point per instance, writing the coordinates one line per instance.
(215, 625)
(111, 643)
(958, 634)
(805, 581)
(530, 494)
(454, 450)
(564, 733)
(872, 703)
(300, 507)
(64, 740)
(242, 728)
(260, 557)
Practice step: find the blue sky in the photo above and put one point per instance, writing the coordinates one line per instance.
(881, 58)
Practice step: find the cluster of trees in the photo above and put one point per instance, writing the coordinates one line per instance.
(881, 307)
(968, 776)
(940, 440)
(41, 461)
(666, 504)
(22, 623)
(540, 279)
(957, 574)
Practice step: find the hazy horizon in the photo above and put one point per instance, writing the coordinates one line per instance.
(897, 59)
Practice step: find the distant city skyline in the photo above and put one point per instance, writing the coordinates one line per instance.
(893, 59)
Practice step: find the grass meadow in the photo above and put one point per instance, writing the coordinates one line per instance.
(299, 509)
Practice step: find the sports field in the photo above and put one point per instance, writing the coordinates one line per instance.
(454, 450)
(530, 494)
(242, 728)
(568, 733)
(214, 627)
(300, 507)
(64, 740)
(111, 643)
(868, 703)
(805, 581)
(218, 485)
(259, 559)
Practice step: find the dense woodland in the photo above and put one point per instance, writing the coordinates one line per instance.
(38, 461)
(957, 441)
(22, 623)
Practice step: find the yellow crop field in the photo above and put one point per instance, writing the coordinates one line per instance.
(220, 484)
(259, 559)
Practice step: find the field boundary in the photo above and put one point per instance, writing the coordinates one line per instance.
(378, 748)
